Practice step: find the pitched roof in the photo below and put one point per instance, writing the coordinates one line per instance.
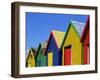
(39, 48)
(86, 29)
(58, 35)
(33, 51)
(44, 44)
(79, 26)
(42, 48)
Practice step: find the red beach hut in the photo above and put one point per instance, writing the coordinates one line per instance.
(85, 39)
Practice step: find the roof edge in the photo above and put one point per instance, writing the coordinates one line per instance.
(68, 31)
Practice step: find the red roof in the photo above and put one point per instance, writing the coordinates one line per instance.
(86, 28)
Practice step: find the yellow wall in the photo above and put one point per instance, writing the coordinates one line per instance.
(73, 40)
(31, 60)
(50, 59)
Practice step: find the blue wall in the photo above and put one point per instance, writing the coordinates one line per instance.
(52, 47)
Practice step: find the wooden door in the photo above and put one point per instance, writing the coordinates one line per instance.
(50, 59)
(67, 55)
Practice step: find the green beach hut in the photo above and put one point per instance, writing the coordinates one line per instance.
(40, 57)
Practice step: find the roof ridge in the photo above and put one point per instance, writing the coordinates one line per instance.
(58, 37)
(79, 26)
(73, 21)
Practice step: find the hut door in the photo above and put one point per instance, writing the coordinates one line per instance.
(50, 59)
(67, 55)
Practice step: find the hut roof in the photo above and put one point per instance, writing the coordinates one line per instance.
(44, 44)
(33, 51)
(86, 29)
(58, 35)
(79, 26)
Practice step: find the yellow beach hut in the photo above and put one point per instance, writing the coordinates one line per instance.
(30, 61)
(71, 45)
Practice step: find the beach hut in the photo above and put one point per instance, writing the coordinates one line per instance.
(85, 39)
(30, 61)
(53, 53)
(71, 45)
(40, 57)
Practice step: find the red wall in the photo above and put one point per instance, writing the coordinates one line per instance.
(86, 43)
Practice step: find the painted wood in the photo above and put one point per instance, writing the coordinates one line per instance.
(67, 56)
(85, 39)
(86, 50)
(53, 46)
(40, 57)
(72, 38)
(30, 62)
(50, 59)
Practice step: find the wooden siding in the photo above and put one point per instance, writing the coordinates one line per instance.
(86, 49)
(30, 59)
(40, 57)
(76, 51)
(67, 55)
(52, 47)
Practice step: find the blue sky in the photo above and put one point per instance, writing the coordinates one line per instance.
(39, 26)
